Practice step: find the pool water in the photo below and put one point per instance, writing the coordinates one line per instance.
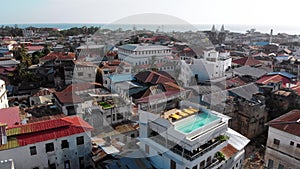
(195, 122)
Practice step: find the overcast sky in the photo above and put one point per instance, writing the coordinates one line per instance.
(261, 12)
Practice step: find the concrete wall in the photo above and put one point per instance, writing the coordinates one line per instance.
(284, 153)
(3, 95)
(24, 160)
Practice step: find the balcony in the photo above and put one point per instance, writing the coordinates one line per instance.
(214, 163)
(184, 152)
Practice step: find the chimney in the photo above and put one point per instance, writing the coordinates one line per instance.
(271, 36)
(3, 137)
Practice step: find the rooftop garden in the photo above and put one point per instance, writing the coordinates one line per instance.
(106, 104)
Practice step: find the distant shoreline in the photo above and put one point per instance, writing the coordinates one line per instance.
(292, 30)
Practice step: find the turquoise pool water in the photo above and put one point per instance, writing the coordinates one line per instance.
(195, 122)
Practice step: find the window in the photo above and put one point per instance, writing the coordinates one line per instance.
(35, 168)
(52, 166)
(64, 144)
(49, 147)
(270, 163)
(280, 166)
(195, 167)
(67, 164)
(80, 73)
(202, 164)
(298, 145)
(146, 148)
(81, 162)
(80, 140)
(291, 143)
(276, 142)
(33, 150)
(173, 164)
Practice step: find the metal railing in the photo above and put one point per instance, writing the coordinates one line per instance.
(189, 156)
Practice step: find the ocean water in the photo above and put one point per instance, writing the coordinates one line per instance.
(293, 30)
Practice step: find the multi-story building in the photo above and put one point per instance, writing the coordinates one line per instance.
(83, 72)
(212, 66)
(57, 143)
(147, 57)
(283, 144)
(3, 95)
(140, 54)
(190, 137)
(291, 65)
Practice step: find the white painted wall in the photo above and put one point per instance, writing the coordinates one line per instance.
(3, 95)
(23, 159)
(284, 153)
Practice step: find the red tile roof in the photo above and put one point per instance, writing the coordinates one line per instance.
(59, 56)
(48, 130)
(34, 48)
(235, 82)
(289, 122)
(296, 89)
(153, 77)
(157, 96)
(274, 79)
(229, 151)
(10, 116)
(68, 95)
(250, 61)
(44, 92)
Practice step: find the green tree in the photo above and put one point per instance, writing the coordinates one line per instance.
(25, 57)
(36, 57)
(46, 50)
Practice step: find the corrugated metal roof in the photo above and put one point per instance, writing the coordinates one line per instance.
(287, 122)
(11, 143)
(251, 71)
(286, 74)
(45, 130)
(10, 116)
(245, 91)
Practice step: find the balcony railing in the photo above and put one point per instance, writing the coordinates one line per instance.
(183, 152)
(214, 163)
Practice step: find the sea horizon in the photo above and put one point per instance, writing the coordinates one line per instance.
(239, 28)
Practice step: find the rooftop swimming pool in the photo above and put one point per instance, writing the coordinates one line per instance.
(195, 122)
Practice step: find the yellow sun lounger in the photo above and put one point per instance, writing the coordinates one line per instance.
(175, 116)
(188, 111)
(183, 114)
(194, 110)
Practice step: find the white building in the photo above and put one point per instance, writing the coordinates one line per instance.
(58, 143)
(190, 137)
(143, 54)
(3, 95)
(212, 66)
(91, 52)
(283, 144)
(83, 72)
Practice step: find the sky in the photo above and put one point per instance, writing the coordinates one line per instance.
(259, 12)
